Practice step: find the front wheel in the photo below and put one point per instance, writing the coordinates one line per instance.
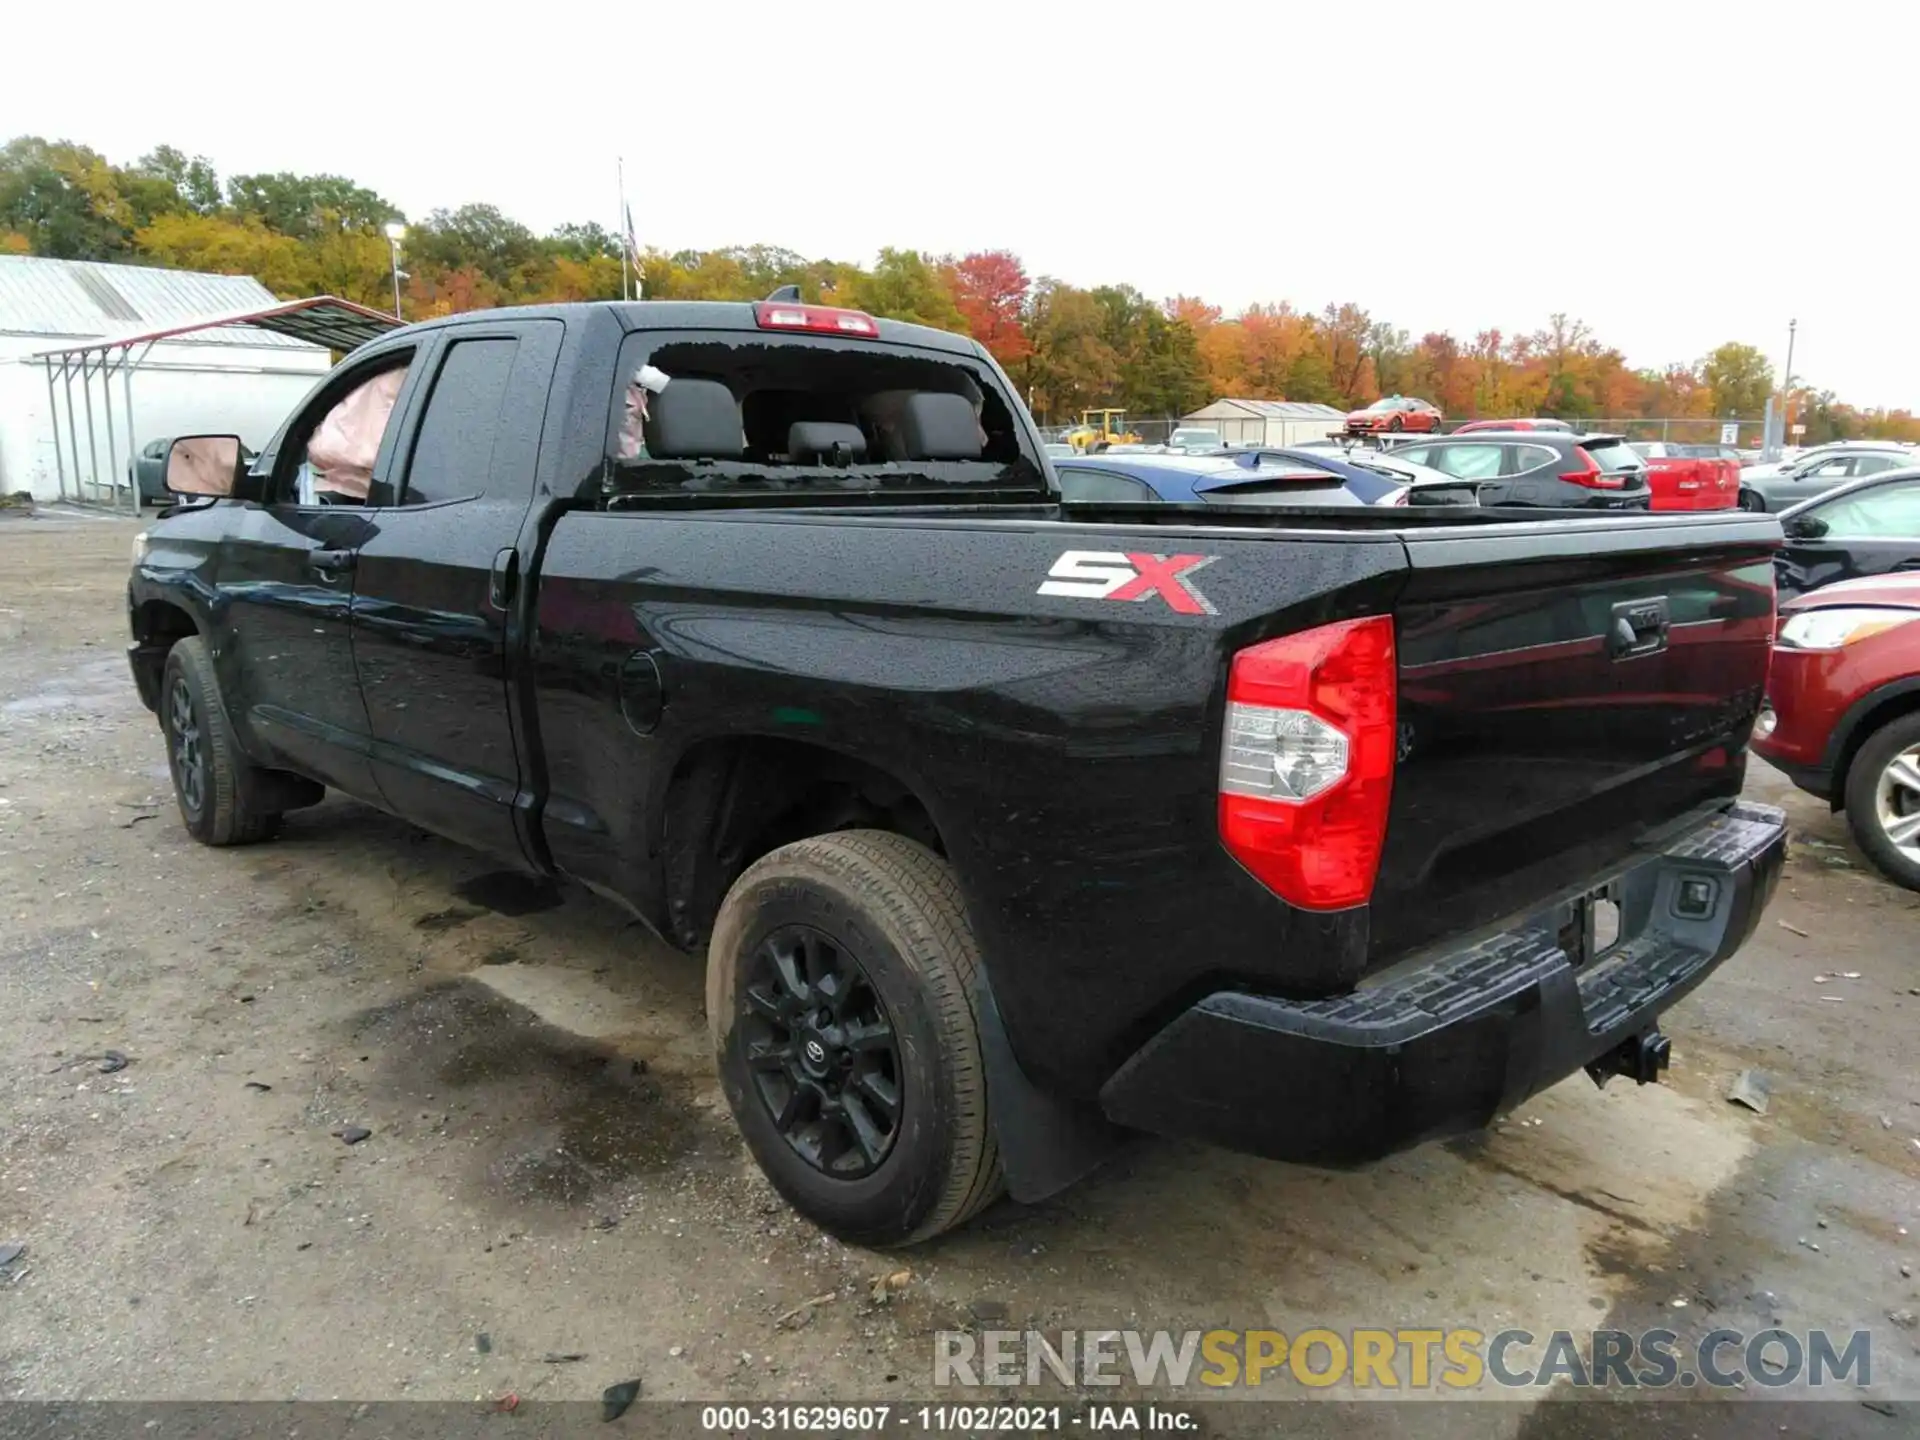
(1749, 500)
(841, 1000)
(1883, 800)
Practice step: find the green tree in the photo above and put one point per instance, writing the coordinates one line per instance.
(301, 205)
(64, 198)
(1072, 366)
(583, 242)
(1740, 379)
(193, 184)
(1390, 352)
(905, 286)
(480, 238)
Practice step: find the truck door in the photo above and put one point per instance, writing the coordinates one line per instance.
(285, 580)
(433, 583)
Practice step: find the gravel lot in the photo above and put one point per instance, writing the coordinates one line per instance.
(550, 1163)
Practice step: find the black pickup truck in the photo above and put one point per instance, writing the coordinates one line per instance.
(1007, 826)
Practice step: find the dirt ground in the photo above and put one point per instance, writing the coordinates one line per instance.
(551, 1165)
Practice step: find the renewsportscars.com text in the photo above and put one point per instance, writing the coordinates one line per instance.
(1403, 1359)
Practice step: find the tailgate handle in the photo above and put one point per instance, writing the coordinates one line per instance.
(1639, 627)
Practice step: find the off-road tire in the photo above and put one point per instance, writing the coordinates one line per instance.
(1863, 781)
(895, 907)
(229, 811)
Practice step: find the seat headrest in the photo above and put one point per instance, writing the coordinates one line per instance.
(694, 420)
(814, 440)
(935, 426)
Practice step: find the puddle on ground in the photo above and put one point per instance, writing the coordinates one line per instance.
(91, 686)
(547, 1115)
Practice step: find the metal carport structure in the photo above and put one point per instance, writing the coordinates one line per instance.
(339, 325)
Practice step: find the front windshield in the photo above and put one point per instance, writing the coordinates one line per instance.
(1391, 402)
(1196, 437)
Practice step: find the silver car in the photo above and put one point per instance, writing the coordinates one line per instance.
(1818, 472)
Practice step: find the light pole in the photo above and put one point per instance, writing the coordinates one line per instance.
(1786, 387)
(396, 232)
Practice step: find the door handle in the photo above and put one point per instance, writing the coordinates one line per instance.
(331, 562)
(500, 579)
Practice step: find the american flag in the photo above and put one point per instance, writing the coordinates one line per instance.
(633, 252)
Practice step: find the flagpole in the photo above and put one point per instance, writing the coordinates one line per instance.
(621, 220)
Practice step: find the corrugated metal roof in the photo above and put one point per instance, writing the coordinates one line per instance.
(1273, 409)
(81, 299)
(1291, 409)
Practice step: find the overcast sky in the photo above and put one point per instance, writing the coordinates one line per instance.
(1675, 174)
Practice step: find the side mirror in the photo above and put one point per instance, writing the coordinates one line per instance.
(203, 465)
(1806, 527)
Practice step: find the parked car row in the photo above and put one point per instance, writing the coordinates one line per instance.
(1782, 484)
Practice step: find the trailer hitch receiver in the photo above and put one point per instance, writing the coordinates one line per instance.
(1642, 1058)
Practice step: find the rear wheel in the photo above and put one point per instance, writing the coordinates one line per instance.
(840, 997)
(1883, 800)
(219, 793)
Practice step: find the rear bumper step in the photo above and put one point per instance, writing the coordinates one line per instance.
(1446, 1047)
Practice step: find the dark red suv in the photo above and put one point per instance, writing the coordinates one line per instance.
(1842, 717)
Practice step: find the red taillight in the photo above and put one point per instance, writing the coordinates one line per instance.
(1306, 764)
(817, 319)
(1593, 477)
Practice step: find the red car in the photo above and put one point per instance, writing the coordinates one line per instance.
(1842, 717)
(1395, 413)
(1534, 424)
(1689, 477)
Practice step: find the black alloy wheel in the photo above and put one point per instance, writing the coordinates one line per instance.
(822, 1052)
(189, 752)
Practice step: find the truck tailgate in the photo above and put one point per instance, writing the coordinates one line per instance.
(1564, 695)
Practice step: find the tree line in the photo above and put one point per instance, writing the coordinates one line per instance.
(1067, 347)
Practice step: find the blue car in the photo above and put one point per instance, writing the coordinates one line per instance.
(1232, 477)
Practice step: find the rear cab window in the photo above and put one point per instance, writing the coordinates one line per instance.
(719, 413)
(1614, 456)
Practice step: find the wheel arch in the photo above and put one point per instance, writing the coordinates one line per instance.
(732, 799)
(158, 625)
(1862, 720)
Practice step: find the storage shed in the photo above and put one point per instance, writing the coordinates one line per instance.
(224, 379)
(1268, 422)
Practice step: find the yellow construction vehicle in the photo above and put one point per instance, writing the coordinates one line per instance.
(1101, 427)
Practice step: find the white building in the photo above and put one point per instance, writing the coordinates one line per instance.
(226, 381)
(1268, 422)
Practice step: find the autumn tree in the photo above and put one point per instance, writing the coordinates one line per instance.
(222, 246)
(1342, 332)
(990, 288)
